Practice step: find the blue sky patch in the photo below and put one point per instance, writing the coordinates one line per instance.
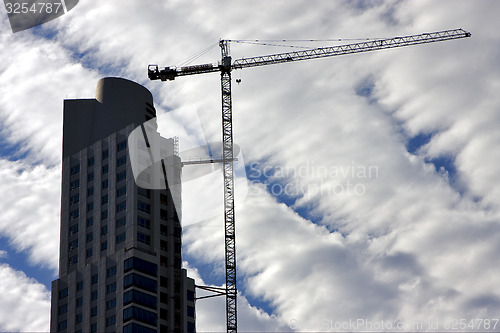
(445, 163)
(418, 141)
(12, 152)
(259, 303)
(365, 87)
(18, 260)
(209, 272)
(278, 188)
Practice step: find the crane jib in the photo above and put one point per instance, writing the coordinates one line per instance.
(170, 73)
(350, 48)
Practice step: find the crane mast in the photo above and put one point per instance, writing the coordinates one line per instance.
(225, 66)
(227, 156)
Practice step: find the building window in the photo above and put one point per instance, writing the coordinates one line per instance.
(90, 161)
(90, 221)
(120, 238)
(121, 206)
(139, 298)
(111, 271)
(78, 318)
(90, 236)
(93, 311)
(79, 302)
(74, 199)
(190, 295)
(62, 325)
(110, 287)
(143, 222)
(104, 230)
(90, 206)
(74, 214)
(144, 207)
(163, 313)
(105, 184)
(105, 169)
(95, 278)
(121, 191)
(89, 253)
(163, 214)
(90, 176)
(93, 327)
(131, 328)
(104, 199)
(163, 261)
(73, 244)
(105, 154)
(121, 221)
(74, 184)
(73, 229)
(111, 304)
(63, 309)
(104, 245)
(190, 311)
(121, 145)
(93, 296)
(121, 160)
(163, 245)
(73, 260)
(163, 199)
(163, 281)
(63, 293)
(163, 298)
(139, 281)
(104, 214)
(190, 327)
(90, 191)
(121, 175)
(79, 286)
(143, 238)
(140, 265)
(144, 192)
(139, 314)
(75, 169)
(163, 230)
(110, 320)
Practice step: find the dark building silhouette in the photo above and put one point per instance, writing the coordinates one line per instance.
(120, 244)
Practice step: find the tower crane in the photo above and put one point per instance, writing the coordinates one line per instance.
(225, 66)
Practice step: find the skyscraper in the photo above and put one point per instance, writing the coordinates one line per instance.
(120, 244)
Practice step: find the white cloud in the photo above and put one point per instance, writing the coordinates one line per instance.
(30, 210)
(25, 304)
(37, 75)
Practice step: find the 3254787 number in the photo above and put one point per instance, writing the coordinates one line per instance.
(38, 7)
(473, 324)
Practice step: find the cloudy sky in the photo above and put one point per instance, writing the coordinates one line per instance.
(371, 186)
